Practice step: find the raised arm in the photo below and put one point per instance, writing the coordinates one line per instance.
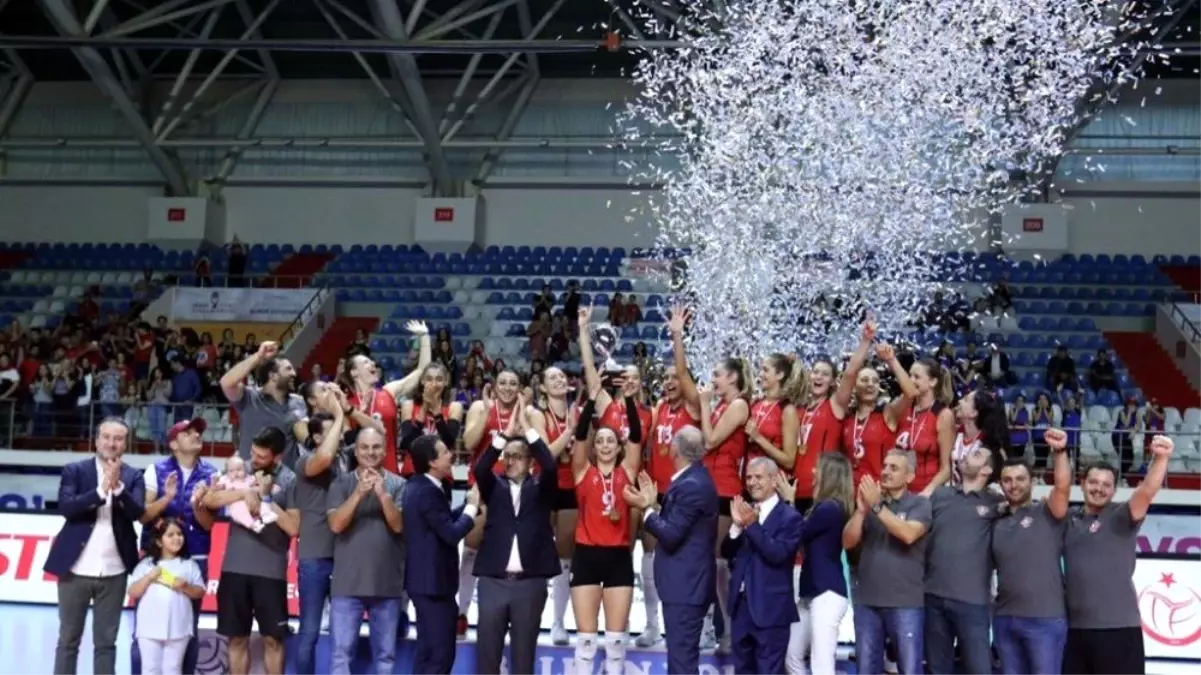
(1140, 501)
(841, 399)
(406, 385)
(897, 407)
(679, 318)
(233, 382)
(592, 378)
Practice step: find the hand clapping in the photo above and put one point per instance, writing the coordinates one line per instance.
(742, 513)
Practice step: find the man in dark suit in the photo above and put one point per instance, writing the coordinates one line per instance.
(761, 547)
(686, 530)
(517, 554)
(101, 498)
(432, 536)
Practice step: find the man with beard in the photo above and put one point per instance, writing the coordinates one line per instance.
(316, 468)
(891, 524)
(1027, 548)
(174, 488)
(1104, 625)
(364, 517)
(254, 574)
(270, 404)
(959, 567)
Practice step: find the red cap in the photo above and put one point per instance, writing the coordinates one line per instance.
(198, 425)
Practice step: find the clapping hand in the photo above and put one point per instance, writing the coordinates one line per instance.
(643, 495)
(785, 488)
(869, 489)
(517, 418)
(706, 393)
(171, 487)
(198, 493)
(742, 513)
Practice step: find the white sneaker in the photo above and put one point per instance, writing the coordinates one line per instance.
(649, 637)
(890, 667)
(558, 635)
(708, 639)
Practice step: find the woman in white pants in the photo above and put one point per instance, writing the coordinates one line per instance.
(822, 587)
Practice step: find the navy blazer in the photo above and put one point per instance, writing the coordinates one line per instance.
(432, 534)
(685, 530)
(761, 564)
(531, 524)
(78, 502)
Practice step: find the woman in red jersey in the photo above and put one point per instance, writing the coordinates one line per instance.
(871, 431)
(555, 424)
(602, 566)
(375, 406)
(822, 416)
(928, 431)
(430, 412)
(772, 430)
(678, 408)
(724, 411)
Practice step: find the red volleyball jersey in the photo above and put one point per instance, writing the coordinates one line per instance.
(668, 422)
(919, 434)
(769, 417)
(598, 496)
(495, 423)
(866, 441)
(615, 418)
(724, 461)
(428, 427)
(555, 428)
(381, 406)
(820, 431)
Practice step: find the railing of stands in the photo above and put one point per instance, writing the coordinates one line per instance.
(308, 311)
(1185, 320)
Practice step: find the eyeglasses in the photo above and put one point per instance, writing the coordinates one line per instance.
(512, 457)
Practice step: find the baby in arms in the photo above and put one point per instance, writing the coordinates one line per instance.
(236, 478)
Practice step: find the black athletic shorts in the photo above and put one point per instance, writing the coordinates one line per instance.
(607, 566)
(243, 599)
(565, 500)
(1104, 650)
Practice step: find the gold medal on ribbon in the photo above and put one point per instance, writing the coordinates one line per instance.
(614, 516)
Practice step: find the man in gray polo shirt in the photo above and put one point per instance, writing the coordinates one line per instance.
(315, 469)
(270, 404)
(890, 526)
(364, 515)
(1104, 626)
(253, 587)
(1027, 548)
(959, 567)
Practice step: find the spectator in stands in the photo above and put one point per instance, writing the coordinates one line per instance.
(109, 385)
(236, 263)
(359, 347)
(1019, 428)
(42, 394)
(158, 394)
(498, 366)
(202, 270)
(1061, 370)
(1153, 424)
(538, 333)
(270, 403)
(10, 391)
(1001, 298)
(1125, 425)
(474, 391)
(1101, 374)
(633, 313)
(186, 388)
(617, 311)
(1041, 419)
(143, 351)
(229, 343)
(996, 368)
(545, 302)
(571, 304)
(444, 353)
(479, 357)
(1071, 424)
(67, 389)
(250, 344)
(100, 499)
(206, 353)
(559, 347)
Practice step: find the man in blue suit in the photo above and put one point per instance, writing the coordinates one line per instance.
(432, 535)
(101, 498)
(761, 548)
(686, 530)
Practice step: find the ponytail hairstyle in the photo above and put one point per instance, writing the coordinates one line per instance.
(993, 423)
(742, 369)
(795, 381)
(943, 392)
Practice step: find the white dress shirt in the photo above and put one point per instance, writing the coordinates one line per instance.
(765, 508)
(100, 556)
(514, 565)
(469, 510)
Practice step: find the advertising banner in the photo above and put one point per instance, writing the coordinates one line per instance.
(248, 305)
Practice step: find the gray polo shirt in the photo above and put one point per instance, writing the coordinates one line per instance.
(1098, 560)
(890, 573)
(309, 497)
(264, 554)
(257, 411)
(368, 557)
(1027, 549)
(958, 564)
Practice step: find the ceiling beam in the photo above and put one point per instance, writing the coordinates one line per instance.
(390, 46)
(62, 15)
(405, 66)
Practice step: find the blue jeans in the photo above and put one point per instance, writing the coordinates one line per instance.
(949, 621)
(1030, 645)
(312, 581)
(902, 625)
(345, 618)
(191, 655)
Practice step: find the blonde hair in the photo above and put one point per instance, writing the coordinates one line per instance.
(834, 482)
(796, 380)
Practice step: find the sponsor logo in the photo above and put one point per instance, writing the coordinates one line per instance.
(1171, 611)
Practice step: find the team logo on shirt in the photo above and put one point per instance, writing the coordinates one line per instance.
(1094, 527)
(982, 510)
(903, 516)
(1027, 522)
(377, 417)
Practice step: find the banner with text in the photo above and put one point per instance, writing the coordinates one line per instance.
(250, 305)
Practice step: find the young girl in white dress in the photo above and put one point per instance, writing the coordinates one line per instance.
(165, 583)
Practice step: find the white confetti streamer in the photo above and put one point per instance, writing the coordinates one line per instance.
(826, 149)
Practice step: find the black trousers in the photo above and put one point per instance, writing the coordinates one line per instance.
(1104, 651)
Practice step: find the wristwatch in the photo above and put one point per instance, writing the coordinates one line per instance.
(877, 508)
